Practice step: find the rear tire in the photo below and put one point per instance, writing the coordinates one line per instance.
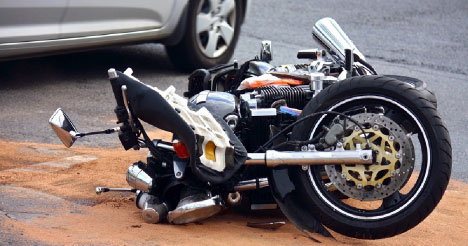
(409, 209)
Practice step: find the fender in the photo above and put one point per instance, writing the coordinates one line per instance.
(291, 202)
(179, 31)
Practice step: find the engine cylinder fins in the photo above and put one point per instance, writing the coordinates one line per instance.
(393, 164)
(296, 97)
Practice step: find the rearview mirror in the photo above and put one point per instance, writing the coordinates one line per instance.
(265, 52)
(63, 127)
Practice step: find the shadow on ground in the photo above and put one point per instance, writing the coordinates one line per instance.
(84, 66)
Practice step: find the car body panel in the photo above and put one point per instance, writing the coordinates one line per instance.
(157, 27)
(30, 28)
(90, 17)
(28, 20)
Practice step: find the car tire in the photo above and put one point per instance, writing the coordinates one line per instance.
(195, 50)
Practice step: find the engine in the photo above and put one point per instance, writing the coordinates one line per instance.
(256, 114)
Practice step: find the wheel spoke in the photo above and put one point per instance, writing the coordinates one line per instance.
(226, 32)
(226, 7)
(204, 22)
(214, 4)
(210, 48)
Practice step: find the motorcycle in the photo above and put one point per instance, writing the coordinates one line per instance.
(328, 141)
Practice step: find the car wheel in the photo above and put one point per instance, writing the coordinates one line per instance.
(211, 34)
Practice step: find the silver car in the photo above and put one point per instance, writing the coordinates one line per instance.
(196, 33)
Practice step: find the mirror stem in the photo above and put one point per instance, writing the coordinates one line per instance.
(349, 62)
(107, 131)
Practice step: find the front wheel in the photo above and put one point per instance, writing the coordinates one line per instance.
(410, 172)
(211, 34)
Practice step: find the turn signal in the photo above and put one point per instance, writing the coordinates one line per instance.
(180, 149)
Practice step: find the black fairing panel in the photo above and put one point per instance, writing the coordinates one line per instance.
(149, 106)
(292, 203)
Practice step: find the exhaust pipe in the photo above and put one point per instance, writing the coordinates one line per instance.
(153, 211)
(139, 179)
(195, 208)
(274, 158)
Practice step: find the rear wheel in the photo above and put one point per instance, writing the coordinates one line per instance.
(211, 35)
(412, 166)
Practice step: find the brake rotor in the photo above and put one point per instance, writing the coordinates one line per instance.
(393, 164)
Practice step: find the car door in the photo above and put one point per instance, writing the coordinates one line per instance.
(30, 20)
(91, 17)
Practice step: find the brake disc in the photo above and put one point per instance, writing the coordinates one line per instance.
(393, 164)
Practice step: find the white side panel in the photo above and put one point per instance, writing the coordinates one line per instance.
(203, 124)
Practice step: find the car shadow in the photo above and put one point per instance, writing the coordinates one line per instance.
(147, 59)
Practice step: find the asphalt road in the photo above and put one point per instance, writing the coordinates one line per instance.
(423, 39)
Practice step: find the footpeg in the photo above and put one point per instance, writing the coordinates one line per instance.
(195, 208)
(100, 190)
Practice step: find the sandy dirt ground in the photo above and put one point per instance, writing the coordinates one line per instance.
(84, 218)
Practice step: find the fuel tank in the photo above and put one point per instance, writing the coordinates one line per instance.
(218, 103)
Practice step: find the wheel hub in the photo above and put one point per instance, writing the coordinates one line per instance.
(215, 26)
(393, 164)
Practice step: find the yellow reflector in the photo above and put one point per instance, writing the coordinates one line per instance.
(210, 149)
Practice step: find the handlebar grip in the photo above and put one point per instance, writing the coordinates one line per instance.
(116, 83)
(116, 86)
(313, 54)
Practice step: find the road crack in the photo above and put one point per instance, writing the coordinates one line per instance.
(9, 214)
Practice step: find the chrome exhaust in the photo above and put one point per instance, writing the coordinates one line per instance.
(274, 158)
(152, 211)
(195, 208)
(139, 179)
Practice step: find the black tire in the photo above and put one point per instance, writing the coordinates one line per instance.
(187, 54)
(430, 185)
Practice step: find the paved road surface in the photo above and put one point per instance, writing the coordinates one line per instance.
(423, 39)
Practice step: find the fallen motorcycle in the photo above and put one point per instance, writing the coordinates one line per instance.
(328, 141)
